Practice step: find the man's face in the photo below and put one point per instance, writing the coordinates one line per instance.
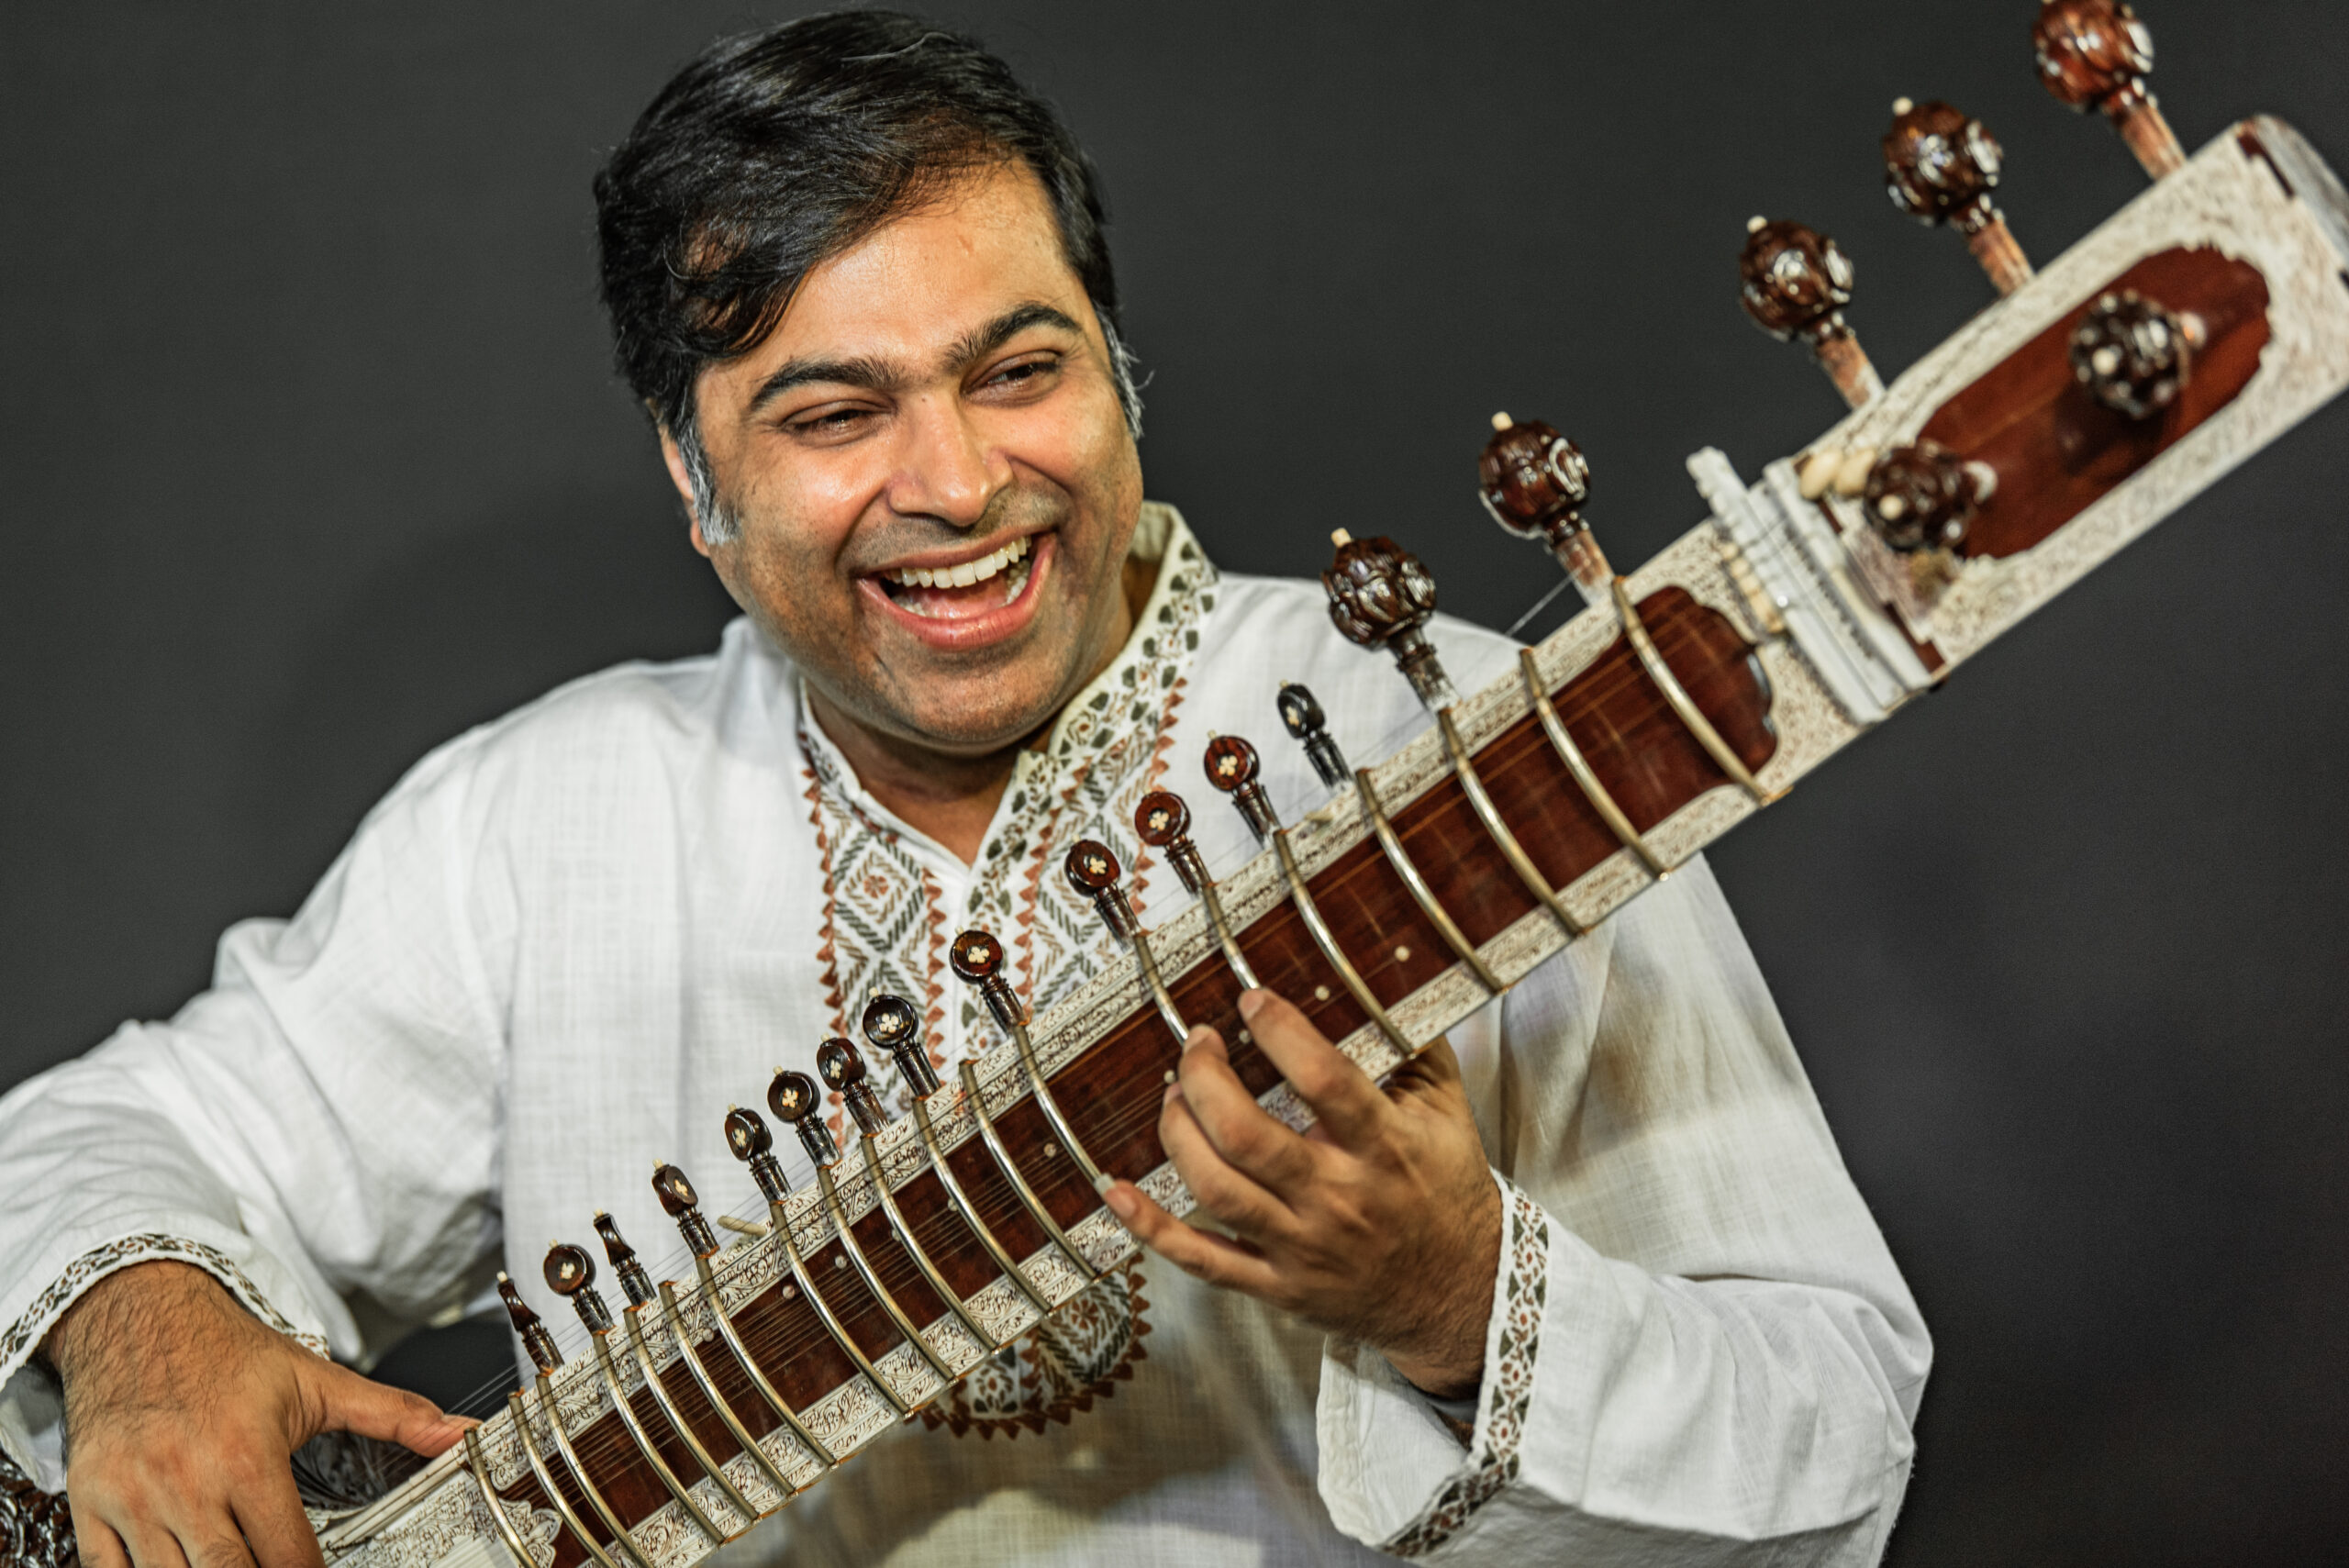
(935, 407)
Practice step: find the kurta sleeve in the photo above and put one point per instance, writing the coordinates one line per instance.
(319, 1130)
(1700, 1349)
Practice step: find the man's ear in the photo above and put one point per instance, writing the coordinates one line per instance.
(675, 462)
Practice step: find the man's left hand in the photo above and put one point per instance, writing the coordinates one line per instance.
(1382, 1222)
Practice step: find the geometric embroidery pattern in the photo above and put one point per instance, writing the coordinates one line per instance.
(1494, 1461)
(885, 927)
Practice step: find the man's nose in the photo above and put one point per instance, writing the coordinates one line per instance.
(945, 468)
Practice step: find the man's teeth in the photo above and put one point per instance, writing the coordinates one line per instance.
(961, 576)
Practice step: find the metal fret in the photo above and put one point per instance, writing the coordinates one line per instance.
(1471, 784)
(796, 1265)
(992, 1138)
(1010, 1266)
(727, 1331)
(905, 1238)
(1327, 941)
(733, 1494)
(1682, 704)
(497, 1515)
(1417, 885)
(626, 1414)
(1233, 957)
(546, 1481)
(1584, 777)
(691, 1355)
(1045, 1102)
(1156, 982)
(579, 1471)
(855, 1250)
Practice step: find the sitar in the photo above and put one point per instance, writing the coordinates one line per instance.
(2101, 392)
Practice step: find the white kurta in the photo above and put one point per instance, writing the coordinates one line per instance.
(567, 941)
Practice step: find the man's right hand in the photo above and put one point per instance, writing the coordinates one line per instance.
(182, 1414)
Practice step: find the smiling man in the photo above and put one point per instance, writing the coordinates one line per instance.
(1589, 1283)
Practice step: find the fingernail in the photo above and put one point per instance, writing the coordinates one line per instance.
(1198, 1035)
(1123, 1202)
(1252, 1002)
(1104, 1182)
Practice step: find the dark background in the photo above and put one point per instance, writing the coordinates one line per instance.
(312, 458)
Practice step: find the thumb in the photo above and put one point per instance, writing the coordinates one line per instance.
(343, 1401)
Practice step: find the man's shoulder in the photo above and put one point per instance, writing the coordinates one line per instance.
(641, 710)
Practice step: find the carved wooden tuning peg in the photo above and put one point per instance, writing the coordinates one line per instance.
(1380, 596)
(842, 1070)
(1923, 496)
(1794, 282)
(893, 1025)
(2133, 356)
(793, 1098)
(2095, 54)
(748, 1139)
(682, 1203)
(1941, 166)
(622, 1257)
(535, 1338)
(1302, 716)
(1163, 822)
(977, 959)
(571, 1273)
(1534, 482)
(1232, 768)
(1093, 870)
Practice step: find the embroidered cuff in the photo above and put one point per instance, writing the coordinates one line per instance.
(31, 1414)
(1392, 1473)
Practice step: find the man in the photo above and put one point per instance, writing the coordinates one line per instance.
(1589, 1282)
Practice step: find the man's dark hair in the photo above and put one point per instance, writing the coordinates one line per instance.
(778, 149)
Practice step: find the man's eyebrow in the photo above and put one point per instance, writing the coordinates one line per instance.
(986, 339)
(873, 376)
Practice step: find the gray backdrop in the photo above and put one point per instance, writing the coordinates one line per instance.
(313, 458)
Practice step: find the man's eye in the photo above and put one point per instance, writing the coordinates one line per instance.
(831, 422)
(1022, 374)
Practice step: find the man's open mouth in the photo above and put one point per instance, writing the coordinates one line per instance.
(973, 588)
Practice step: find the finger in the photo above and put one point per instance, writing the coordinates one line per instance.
(1243, 1132)
(1434, 1072)
(217, 1544)
(1210, 1258)
(269, 1512)
(1225, 1192)
(150, 1545)
(95, 1541)
(347, 1402)
(1342, 1096)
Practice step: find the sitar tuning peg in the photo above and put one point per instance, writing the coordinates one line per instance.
(893, 1025)
(749, 1140)
(977, 959)
(1303, 718)
(792, 1096)
(571, 1273)
(1232, 768)
(682, 1203)
(1923, 496)
(1795, 281)
(1535, 484)
(842, 1070)
(622, 1257)
(1942, 166)
(1163, 822)
(1093, 871)
(2095, 54)
(1380, 596)
(535, 1338)
(2134, 356)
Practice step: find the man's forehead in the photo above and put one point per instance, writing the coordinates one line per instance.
(928, 282)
